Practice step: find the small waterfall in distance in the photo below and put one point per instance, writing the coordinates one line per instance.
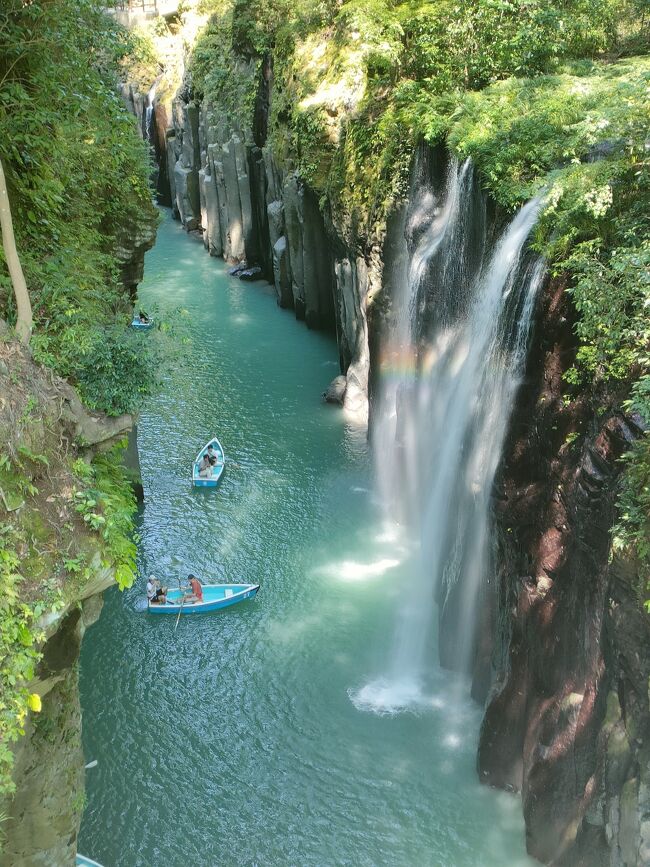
(148, 119)
(449, 372)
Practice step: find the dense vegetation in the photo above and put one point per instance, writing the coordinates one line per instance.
(47, 555)
(75, 168)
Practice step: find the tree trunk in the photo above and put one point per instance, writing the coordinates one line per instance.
(23, 304)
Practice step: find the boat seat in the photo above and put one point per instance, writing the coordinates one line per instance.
(227, 593)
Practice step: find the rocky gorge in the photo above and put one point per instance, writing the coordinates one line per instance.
(561, 658)
(302, 157)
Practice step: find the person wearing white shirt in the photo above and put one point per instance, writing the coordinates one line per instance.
(156, 595)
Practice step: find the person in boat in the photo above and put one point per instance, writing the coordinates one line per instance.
(156, 594)
(195, 593)
(205, 467)
(213, 455)
(142, 317)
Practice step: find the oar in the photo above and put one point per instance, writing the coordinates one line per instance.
(180, 611)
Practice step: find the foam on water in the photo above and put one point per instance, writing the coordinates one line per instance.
(388, 697)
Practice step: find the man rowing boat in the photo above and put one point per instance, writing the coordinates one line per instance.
(196, 591)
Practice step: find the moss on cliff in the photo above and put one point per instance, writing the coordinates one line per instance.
(579, 138)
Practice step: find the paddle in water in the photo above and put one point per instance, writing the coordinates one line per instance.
(180, 610)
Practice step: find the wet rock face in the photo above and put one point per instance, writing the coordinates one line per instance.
(567, 721)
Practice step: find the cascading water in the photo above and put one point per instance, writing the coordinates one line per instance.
(148, 118)
(445, 396)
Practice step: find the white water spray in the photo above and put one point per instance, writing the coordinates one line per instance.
(444, 406)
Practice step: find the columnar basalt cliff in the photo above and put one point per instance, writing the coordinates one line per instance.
(225, 182)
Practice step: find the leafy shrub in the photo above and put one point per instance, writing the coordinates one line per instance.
(115, 371)
(75, 167)
(107, 505)
(18, 654)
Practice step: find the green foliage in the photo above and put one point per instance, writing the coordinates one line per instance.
(107, 505)
(254, 23)
(18, 654)
(479, 42)
(580, 138)
(115, 371)
(137, 56)
(75, 168)
(632, 531)
(45, 557)
(518, 130)
(403, 69)
(219, 75)
(611, 291)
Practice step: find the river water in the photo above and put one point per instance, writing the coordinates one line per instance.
(233, 740)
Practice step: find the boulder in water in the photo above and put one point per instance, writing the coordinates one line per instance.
(336, 391)
(250, 273)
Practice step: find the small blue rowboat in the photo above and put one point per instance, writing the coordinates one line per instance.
(215, 597)
(216, 472)
(141, 326)
(82, 861)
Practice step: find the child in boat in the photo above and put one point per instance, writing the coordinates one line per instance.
(213, 454)
(156, 594)
(205, 467)
(142, 317)
(196, 591)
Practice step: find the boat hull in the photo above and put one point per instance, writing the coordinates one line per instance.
(215, 598)
(141, 326)
(213, 480)
(82, 861)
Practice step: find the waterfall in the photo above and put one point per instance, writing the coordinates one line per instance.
(448, 377)
(148, 120)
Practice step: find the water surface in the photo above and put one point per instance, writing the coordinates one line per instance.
(233, 740)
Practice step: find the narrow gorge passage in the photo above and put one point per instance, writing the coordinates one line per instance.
(233, 740)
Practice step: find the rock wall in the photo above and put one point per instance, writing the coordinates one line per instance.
(567, 721)
(226, 182)
(45, 814)
(136, 234)
(41, 414)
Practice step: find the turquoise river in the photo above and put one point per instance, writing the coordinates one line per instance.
(233, 740)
